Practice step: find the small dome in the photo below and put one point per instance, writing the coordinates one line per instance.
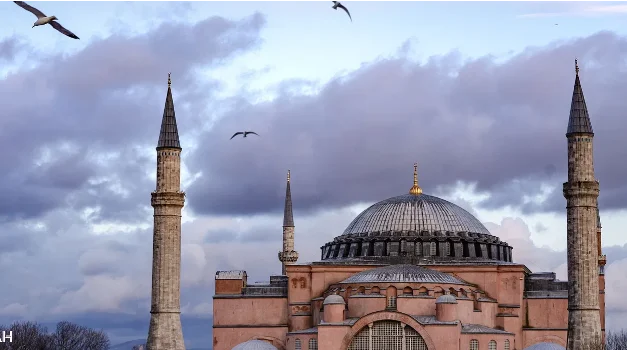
(254, 345)
(545, 346)
(400, 274)
(446, 299)
(333, 299)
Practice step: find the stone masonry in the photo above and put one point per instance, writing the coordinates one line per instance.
(288, 255)
(165, 332)
(581, 193)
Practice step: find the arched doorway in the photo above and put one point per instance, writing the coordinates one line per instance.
(387, 335)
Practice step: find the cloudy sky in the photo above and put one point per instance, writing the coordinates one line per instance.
(477, 93)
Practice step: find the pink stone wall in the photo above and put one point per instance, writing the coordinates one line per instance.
(415, 305)
(547, 313)
(249, 311)
(229, 286)
(531, 336)
(227, 338)
(360, 305)
(484, 341)
(290, 343)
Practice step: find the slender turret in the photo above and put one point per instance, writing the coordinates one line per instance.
(288, 255)
(165, 331)
(581, 193)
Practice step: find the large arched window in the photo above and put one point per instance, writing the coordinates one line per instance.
(492, 345)
(297, 345)
(474, 344)
(387, 335)
(506, 347)
(313, 344)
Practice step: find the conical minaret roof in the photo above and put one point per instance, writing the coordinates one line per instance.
(579, 120)
(169, 135)
(288, 216)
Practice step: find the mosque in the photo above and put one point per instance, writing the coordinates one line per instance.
(411, 272)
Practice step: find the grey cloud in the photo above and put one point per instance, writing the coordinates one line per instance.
(499, 125)
(89, 126)
(10, 47)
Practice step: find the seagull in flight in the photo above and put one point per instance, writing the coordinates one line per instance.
(337, 4)
(245, 133)
(43, 19)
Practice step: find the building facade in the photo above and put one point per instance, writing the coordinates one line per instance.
(416, 272)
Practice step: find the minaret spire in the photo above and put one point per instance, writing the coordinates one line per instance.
(415, 189)
(288, 255)
(581, 193)
(579, 120)
(169, 135)
(165, 332)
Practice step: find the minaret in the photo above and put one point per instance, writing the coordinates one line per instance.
(165, 331)
(602, 258)
(288, 255)
(581, 193)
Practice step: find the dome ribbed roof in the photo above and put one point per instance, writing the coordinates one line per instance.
(255, 345)
(545, 346)
(415, 213)
(401, 273)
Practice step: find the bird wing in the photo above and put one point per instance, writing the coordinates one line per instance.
(59, 27)
(30, 9)
(237, 133)
(345, 9)
(251, 132)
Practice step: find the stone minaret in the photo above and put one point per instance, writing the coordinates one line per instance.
(165, 331)
(288, 255)
(581, 193)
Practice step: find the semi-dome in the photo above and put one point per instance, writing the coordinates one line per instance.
(416, 228)
(401, 274)
(545, 346)
(255, 345)
(333, 299)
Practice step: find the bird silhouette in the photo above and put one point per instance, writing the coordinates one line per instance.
(337, 4)
(245, 133)
(43, 19)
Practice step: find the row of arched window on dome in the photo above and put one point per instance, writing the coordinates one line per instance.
(313, 344)
(474, 345)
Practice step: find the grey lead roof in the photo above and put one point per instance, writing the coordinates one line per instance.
(545, 346)
(415, 213)
(481, 329)
(401, 273)
(288, 216)
(169, 134)
(255, 345)
(579, 120)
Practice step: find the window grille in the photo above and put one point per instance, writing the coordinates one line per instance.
(387, 335)
(506, 347)
(492, 345)
(297, 345)
(313, 344)
(434, 249)
(447, 248)
(392, 302)
(474, 344)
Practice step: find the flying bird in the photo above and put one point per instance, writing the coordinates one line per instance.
(43, 19)
(245, 133)
(337, 4)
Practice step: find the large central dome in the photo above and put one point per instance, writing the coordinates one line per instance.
(415, 213)
(416, 228)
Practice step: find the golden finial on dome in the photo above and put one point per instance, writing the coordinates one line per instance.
(169, 79)
(415, 189)
(288, 176)
(576, 67)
